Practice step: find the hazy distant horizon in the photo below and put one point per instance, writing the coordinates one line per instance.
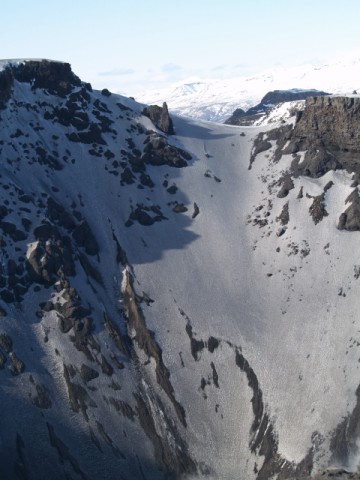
(131, 47)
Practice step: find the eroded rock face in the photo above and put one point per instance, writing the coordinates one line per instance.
(6, 84)
(350, 219)
(161, 118)
(57, 77)
(328, 129)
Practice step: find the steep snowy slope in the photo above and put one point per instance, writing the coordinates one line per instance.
(174, 306)
(216, 100)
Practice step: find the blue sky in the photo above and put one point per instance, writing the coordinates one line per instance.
(134, 45)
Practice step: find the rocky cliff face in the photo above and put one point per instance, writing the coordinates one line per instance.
(328, 129)
(56, 77)
(325, 138)
(328, 132)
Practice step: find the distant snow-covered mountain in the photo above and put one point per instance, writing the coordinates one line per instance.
(216, 100)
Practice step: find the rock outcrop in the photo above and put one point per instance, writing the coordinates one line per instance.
(161, 118)
(56, 77)
(328, 130)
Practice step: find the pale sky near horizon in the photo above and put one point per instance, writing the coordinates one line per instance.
(134, 45)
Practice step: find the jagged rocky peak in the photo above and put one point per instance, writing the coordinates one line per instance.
(161, 118)
(56, 77)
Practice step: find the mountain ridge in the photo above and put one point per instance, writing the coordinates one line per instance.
(174, 306)
(267, 105)
(216, 100)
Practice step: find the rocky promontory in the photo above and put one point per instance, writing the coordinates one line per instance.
(328, 130)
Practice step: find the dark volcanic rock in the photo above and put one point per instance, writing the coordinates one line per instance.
(159, 152)
(13, 232)
(56, 77)
(6, 85)
(16, 366)
(287, 184)
(279, 96)
(237, 117)
(44, 158)
(64, 452)
(84, 237)
(42, 398)
(196, 345)
(317, 209)
(261, 144)
(115, 335)
(92, 135)
(122, 407)
(179, 208)
(127, 176)
(106, 368)
(6, 342)
(79, 399)
(196, 210)
(328, 130)
(90, 270)
(88, 373)
(350, 219)
(145, 215)
(49, 257)
(146, 341)
(160, 117)
(213, 344)
(2, 360)
(59, 215)
(284, 215)
(175, 462)
(337, 474)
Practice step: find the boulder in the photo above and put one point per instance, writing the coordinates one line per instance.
(16, 366)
